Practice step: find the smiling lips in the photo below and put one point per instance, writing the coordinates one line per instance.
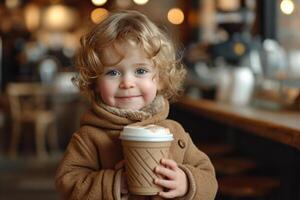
(127, 97)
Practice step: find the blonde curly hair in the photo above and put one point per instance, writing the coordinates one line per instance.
(124, 26)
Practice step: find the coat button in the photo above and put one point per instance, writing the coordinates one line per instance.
(181, 143)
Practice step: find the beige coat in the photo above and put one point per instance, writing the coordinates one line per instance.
(87, 170)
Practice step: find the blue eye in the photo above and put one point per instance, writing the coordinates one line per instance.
(141, 71)
(113, 73)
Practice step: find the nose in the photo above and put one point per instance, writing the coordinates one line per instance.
(126, 83)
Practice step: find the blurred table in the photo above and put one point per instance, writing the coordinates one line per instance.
(282, 126)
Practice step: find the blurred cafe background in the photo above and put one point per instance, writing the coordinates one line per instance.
(241, 103)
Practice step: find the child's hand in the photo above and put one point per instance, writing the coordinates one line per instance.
(174, 179)
(124, 187)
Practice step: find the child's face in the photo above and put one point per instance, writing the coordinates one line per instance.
(129, 83)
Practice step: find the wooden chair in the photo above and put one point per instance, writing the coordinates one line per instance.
(28, 105)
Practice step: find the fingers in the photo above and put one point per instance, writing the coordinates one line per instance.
(169, 163)
(170, 184)
(124, 186)
(165, 172)
(173, 179)
(168, 169)
(124, 191)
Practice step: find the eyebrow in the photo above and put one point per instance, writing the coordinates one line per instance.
(142, 63)
(134, 64)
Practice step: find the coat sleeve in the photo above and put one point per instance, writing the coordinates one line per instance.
(200, 173)
(79, 175)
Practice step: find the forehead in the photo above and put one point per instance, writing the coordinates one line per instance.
(121, 50)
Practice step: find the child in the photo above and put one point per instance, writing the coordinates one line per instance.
(127, 67)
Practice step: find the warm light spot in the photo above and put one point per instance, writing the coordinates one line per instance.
(175, 16)
(98, 14)
(239, 48)
(59, 17)
(287, 7)
(140, 2)
(228, 5)
(32, 16)
(99, 2)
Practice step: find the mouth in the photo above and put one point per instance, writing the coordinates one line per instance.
(128, 97)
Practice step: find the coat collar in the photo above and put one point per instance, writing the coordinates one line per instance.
(103, 116)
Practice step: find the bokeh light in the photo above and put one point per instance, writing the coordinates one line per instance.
(98, 14)
(175, 16)
(99, 2)
(32, 16)
(58, 17)
(140, 2)
(287, 7)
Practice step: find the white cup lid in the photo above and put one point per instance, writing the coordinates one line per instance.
(152, 133)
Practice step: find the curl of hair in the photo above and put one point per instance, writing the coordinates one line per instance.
(125, 26)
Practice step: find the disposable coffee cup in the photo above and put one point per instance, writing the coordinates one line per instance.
(143, 148)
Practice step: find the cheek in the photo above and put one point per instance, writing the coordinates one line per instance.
(149, 89)
(106, 91)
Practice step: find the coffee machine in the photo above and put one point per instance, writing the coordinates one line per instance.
(237, 25)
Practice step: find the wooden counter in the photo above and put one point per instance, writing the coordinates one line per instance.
(281, 126)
